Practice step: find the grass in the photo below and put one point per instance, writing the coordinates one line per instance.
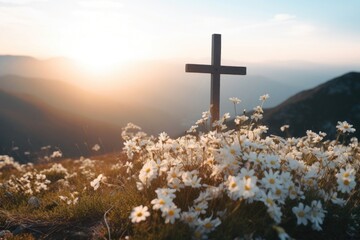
(105, 213)
(55, 219)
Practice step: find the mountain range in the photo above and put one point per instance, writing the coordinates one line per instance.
(68, 97)
(164, 85)
(27, 124)
(319, 108)
(159, 85)
(43, 103)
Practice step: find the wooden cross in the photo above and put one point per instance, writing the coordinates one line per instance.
(215, 69)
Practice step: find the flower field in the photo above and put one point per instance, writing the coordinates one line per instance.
(212, 183)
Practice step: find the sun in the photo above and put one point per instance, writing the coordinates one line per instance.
(98, 62)
(100, 50)
(102, 42)
(100, 56)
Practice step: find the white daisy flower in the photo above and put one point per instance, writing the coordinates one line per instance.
(302, 213)
(139, 214)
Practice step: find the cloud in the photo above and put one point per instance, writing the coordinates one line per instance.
(291, 25)
(20, 15)
(302, 29)
(101, 4)
(283, 17)
(20, 2)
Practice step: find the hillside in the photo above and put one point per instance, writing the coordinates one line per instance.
(68, 97)
(222, 185)
(161, 85)
(319, 108)
(29, 124)
(160, 96)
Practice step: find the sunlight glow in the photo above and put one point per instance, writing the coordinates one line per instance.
(98, 61)
(99, 43)
(100, 54)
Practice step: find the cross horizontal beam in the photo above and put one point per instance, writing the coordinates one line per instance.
(201, 68)
(215, 69)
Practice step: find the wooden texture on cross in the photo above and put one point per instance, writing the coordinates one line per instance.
(215, 69)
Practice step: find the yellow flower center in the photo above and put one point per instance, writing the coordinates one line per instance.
(346, 174)
(247, 187)
(270, 201)
(139, 214)
(197, 234)
(272, 181)
(310, 182)
(147, 170)
(233, 185)
(346, 182)
(301, 214)
(208, 225)
(171, 213)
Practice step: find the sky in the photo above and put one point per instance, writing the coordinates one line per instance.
(105, 32)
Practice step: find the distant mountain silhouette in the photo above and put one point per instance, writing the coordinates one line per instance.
(157, 95)
(68, 97)
(27, 124)
(27, 66)
(320, 108)
(159, 84)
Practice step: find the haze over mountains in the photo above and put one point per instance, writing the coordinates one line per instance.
(157, 95)
(73, 99)
(165, 86)
(27, 125)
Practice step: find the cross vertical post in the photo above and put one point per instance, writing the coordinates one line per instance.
(215, 69)
(215, 77)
